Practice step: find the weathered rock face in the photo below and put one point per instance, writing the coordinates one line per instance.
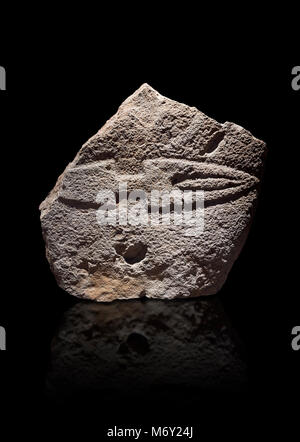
(152, 143)
(149, 348)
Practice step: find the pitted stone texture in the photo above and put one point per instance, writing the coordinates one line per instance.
(153, 142)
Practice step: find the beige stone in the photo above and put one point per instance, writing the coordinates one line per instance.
(153, 142)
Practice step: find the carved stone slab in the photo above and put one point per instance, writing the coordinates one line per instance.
(152, 143)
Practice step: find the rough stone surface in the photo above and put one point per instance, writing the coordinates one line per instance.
(153, 142)
(145, 348)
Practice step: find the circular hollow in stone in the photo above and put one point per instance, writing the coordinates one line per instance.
(135, 253)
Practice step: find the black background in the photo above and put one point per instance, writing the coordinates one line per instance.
(60, 94)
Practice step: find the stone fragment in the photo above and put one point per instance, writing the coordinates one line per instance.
(152, 143)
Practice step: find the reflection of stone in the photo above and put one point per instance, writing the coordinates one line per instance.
(133, 347)
(153, 143)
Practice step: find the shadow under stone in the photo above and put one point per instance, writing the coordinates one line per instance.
(145, 347)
